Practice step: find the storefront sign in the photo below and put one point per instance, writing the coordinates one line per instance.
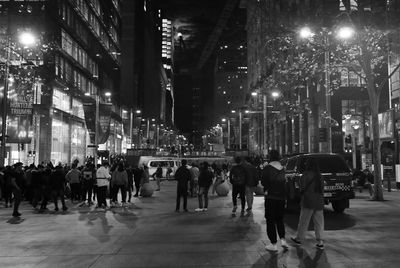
(19, 111)
(103, 125)
(386, 125)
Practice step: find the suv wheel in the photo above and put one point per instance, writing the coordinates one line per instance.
(339, 206)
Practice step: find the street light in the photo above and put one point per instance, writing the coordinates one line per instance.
(343, 33)
(25, 39)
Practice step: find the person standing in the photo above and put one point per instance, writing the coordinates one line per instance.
(73, 177)
(88, 177)
(274, 182)
(145, 178)
(103, 178)
(119, 182)
(237, 178)
(17, 183)
(252, 179)
(182, 176)
(312, 203)
(57, 185)
(7, 185)
(194, 180)
(205, 180)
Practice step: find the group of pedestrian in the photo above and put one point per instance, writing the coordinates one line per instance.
(44, 183)
(312, 202)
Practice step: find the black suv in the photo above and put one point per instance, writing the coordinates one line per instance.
(338, 187)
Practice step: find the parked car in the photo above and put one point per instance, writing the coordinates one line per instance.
(337, 176)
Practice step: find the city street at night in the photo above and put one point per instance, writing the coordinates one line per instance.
(149, 233)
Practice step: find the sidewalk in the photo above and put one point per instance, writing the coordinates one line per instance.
(151, 234)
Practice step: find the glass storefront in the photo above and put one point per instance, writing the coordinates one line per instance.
(60, 145)
(78, 143)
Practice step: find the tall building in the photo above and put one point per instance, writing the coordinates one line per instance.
(76, 61)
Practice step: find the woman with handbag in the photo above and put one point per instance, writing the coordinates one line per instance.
(312, 203)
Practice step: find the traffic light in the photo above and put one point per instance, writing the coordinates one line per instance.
(347, 139)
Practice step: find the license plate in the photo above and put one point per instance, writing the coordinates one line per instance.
(327, 194)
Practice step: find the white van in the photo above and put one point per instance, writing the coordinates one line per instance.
(165, 162)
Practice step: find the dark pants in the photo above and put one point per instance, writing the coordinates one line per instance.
(46, 192)
(37, 195)
(116, 189)
(181, 192)
(7, 193)
(87, 189)
(137, 186)
(17, 198)
(203, 192)
(101, 196)
(59, 193)
(274, 212)
(241, 190)
(75, 191)
(130, 190)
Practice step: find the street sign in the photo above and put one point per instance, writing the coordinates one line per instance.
(323, 135)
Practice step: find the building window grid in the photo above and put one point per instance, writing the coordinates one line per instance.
(94, 24)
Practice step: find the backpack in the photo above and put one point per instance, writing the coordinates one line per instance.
(238, 175)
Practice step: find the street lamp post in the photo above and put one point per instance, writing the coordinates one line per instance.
(265, 143)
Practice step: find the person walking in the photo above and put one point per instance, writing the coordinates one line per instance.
(145, 178)
(7, 185)
(312, 203)
(103, 178)
(252, 178)
(274, 182)
(157, 176)
(130, 189)
(137, 176)
(73, 177)
(182, 176)
(205, 180)
(119, 182)
(237, 178)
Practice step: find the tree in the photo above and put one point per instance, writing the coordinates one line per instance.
(366, 54)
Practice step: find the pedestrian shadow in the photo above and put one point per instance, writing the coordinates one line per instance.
(16, 220)
(307, 261)
(332, 220)
(272, 260)
(93, 215)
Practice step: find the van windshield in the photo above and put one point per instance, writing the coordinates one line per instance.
(327, 164)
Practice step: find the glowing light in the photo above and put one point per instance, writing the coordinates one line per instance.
(306, 32)
(27, 39)
(345, 33)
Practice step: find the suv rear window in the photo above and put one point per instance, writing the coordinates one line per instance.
(327, 164)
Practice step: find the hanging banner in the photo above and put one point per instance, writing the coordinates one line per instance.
(19, 109)
(103, 126)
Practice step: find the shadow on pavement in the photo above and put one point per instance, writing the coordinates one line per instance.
(307, 261)
(16, 220)
(333, 221)
(90, 217)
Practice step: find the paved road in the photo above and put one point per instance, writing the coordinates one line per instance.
(150, 234)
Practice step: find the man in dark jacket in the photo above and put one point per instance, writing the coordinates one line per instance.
(17, 183)
(274, 182)
(237, 177)
(205, 180)
(251, 182)
(182, 176)
(57, 185)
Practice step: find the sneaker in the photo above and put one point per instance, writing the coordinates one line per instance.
(198, 209)
(205, 209)
(295, 240)
(320, 245)
(186, 210)
(271, 247)
(64, 208)
(234, 210)
(248, 209)
(56, 209)
(283, 243)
